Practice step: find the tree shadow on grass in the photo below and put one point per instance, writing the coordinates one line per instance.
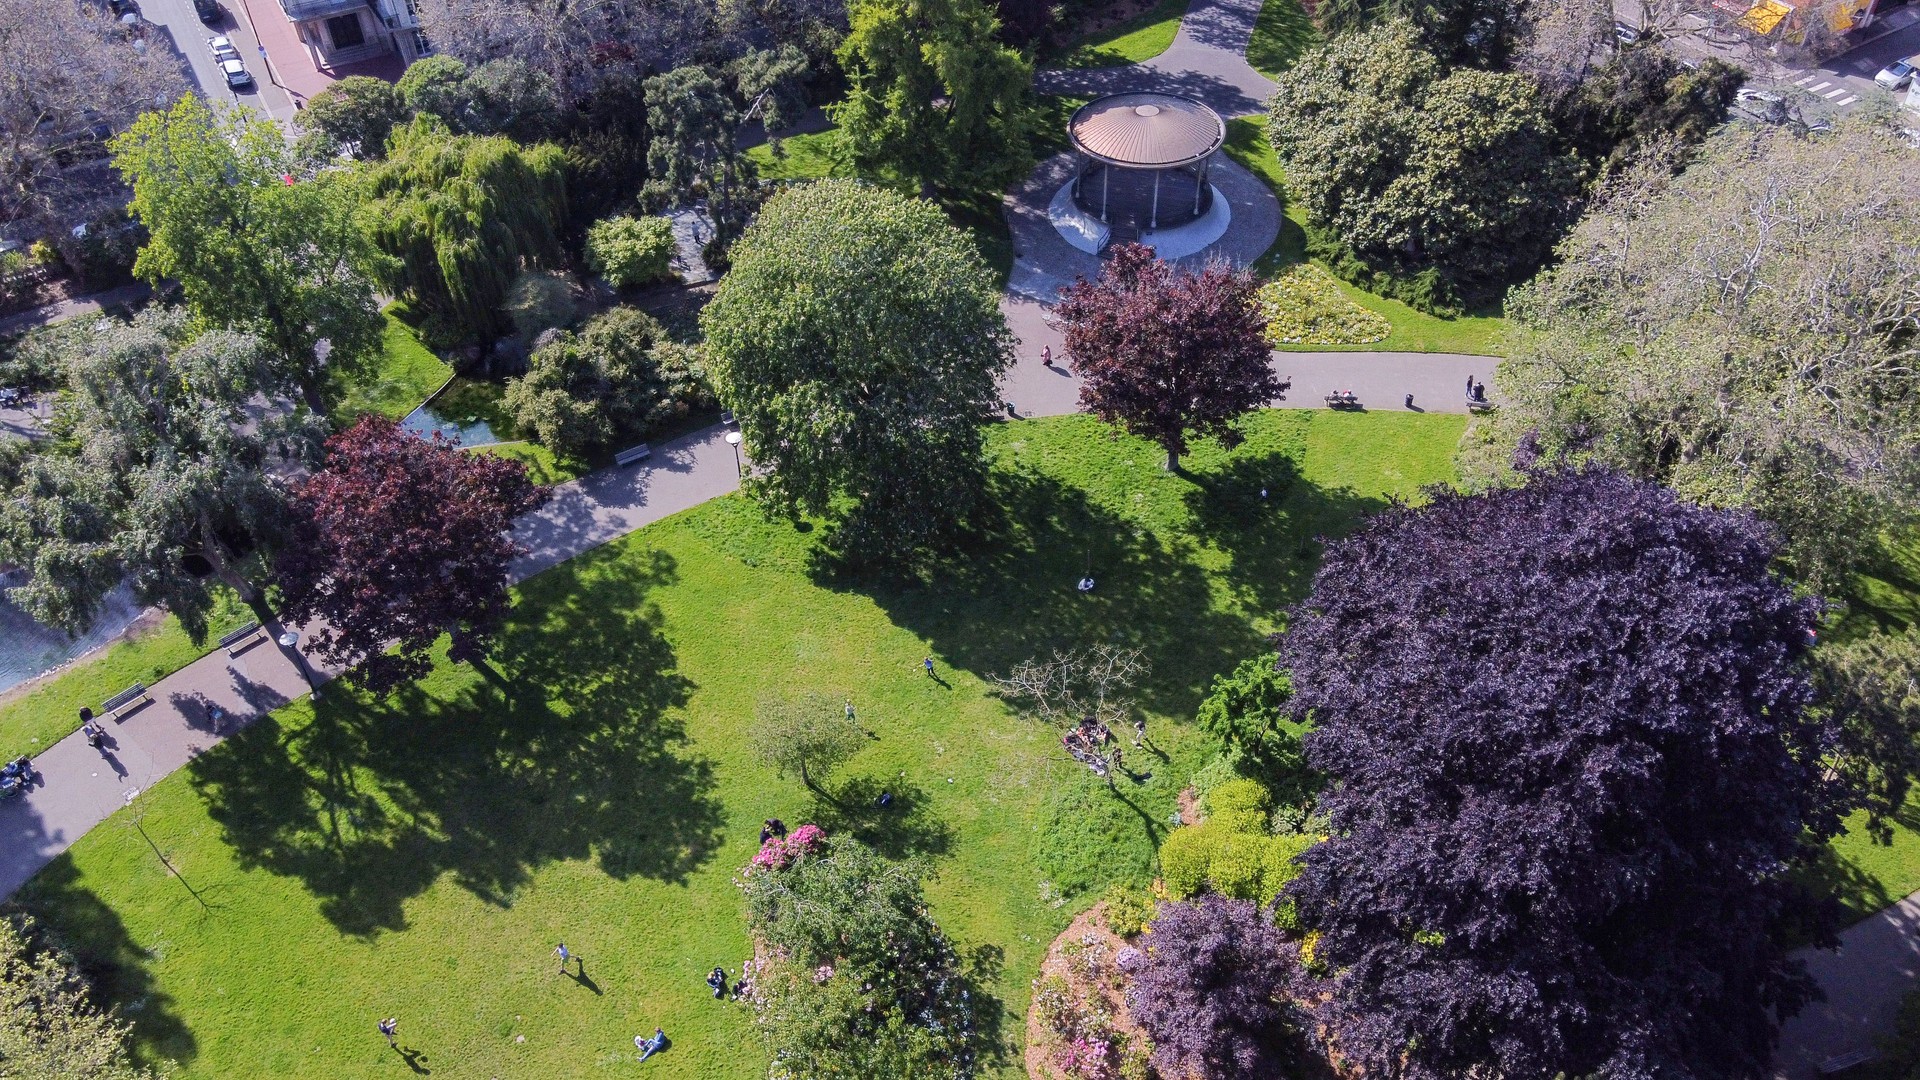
(567, 751)
(907, 826)
(1273, 541)
(70, 916)
(1014, 597)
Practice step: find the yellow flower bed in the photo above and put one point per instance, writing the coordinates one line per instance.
(1305, 306)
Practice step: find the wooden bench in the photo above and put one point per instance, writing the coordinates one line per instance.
(1475, 405)
(1843, 1062)
(125, 701)
(726, 418)
(245, 638)
(632, 454)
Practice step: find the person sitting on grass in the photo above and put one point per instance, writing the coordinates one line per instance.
(648, 1047)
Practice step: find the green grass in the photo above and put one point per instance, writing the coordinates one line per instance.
(1865, 875)
(1142, 37)
(393, 385)
(801, 157)
(1282, 31)
(543, 465)
(1413, 331)
(419, 856)
(34, 718)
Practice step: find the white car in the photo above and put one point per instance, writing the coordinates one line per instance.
(238, 77)
(1897, 75)
(222, 48)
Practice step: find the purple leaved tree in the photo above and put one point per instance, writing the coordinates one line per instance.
(1208, 988)
(1572, 762)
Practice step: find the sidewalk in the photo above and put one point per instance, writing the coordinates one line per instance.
(68, 309)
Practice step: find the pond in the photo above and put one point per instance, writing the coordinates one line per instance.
(466, 410)
(29, 649)
(465, 430)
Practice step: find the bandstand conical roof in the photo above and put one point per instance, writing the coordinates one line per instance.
(1146, 131)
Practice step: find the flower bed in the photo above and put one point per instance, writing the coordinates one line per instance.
(1077, 1026)
(1304, 306)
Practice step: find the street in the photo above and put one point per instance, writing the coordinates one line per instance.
(176, 19)
(1844, 82)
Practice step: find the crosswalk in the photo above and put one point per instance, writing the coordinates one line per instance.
(1839, 95)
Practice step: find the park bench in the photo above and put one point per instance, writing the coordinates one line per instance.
(125, 701)
(1477, 405)
(241, 640)
(726, 417)
(632, 454)
(1843, 1062)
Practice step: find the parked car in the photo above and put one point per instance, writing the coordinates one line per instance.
(1897, 75)
(1627, 35)
(208, 10)
(238, 77)
(222, 48)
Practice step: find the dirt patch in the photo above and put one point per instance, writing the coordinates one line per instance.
(1189, 804)
(1089, 928)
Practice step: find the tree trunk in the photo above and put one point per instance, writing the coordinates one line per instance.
(222, 563)
(1173, 460)
(310, 393)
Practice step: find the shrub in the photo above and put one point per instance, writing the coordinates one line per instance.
(615, 378)
(1208, 989)
(1129, 908)
(1236, 865)
(1185, 856)
(1238, 794)
(1227, 765)
(630, 251)
(1304, 306)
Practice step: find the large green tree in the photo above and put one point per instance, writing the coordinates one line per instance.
(1413, 165)
(935, 99)
(1743, 332)
(462, 216)
(49, 1027)
(162, 461)
(354, 115)
(256, 239)
(618, 376)
(693, 152)
(859, 340)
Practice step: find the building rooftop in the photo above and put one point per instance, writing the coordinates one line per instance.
(1146, 131)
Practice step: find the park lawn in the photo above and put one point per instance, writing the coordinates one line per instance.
(1142, 37)
(1281, 32)
(1865, 875)
(801, 157)
(394, 384)
(419, 855)
(1413, 331)
(34, 717)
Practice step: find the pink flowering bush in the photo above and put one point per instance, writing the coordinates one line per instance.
(779, 852)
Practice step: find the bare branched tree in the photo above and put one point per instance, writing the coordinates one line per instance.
(69, 77)
(1087, 691)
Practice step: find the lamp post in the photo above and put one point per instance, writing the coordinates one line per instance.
(733, 440)
(290, 640)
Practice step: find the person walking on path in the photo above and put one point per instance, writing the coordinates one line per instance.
(648, 1047)
(566, 957)
(389, 1027)
(1046, 356)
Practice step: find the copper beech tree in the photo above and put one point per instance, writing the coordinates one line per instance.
(1167, 353)
(397, 541)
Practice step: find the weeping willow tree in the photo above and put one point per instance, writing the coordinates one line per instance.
(462, 215)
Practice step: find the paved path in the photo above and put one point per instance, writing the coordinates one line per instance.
(1877, 964)
(1207, 61)
(79, 305)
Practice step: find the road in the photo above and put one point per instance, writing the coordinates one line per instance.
(176, 20)
(1845, 82)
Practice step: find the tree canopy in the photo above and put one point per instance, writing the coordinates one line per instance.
(396, 541)
(1571, 757)
(1168, 353)
(462, 216)
(355, 114)
(49, 1027)
(1413, 165)
(70, 76)
(1737, 333)
(808, 736)
(858, 980)
(859, 340)
(256, 239)
(935, 97)
(163, 459)
(693, 150)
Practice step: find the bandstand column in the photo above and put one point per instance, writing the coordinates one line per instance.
(1153, 218)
